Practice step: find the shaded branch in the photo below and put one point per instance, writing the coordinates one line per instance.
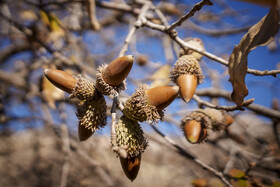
(189, 156)
(264, 111)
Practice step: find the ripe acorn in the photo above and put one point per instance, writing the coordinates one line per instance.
(147, 104)
(111, 78)
(61, 79)
(194, 131)
(187, 74)
(131, 166)
(198, 124)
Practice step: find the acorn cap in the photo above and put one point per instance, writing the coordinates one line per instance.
(111, 78)
(61, 79)
(130, 135)
(137, 108)
(161, 96)
(83, 90)
(194, 131)
(186, 64)
(218, 118)
(188, 84)
(131, 166)
(195, 42)
(92, 115)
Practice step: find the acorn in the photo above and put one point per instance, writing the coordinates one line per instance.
(111, 78)
(61, 79)
(194, 131)
(130, 135)
(187, 74)
(198, 124)
(131, 166)
(92, 115)
(147, 104)
(142, 60)
(195, 42)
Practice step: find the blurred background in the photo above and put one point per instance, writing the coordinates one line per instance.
(39, 143)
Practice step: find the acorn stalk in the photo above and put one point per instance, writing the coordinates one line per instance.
(61, 79)
(147, 104)
(131, 166)
(111, 78)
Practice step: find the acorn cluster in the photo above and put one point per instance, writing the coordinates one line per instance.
(145, 104)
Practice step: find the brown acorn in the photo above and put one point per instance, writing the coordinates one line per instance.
(61, 79)
(194, 131)
(161, 96)
(188, 84)
(111, 78)
(147, 104)
(187, 74)
(198, 124)
(131, 166)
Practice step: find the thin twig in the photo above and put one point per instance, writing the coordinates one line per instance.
(211, 56)
(189, 156)
(137, 24)
(91, 8)
(268, 112)
(227, 108)
(195, 8)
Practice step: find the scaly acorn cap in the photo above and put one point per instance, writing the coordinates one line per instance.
(186, 65)
(194, 132)
(131, 166)
(195, 42)
(61, 79)
(130, 135)
(92, 115)
(147, 105)
(83, 90)
(111, 78)
(209, 119)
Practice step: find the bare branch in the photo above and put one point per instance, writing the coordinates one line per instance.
(189, 156)
(195, 8)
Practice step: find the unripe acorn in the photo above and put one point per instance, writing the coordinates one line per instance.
(110, 78)
(147, 104)
(131, 166)
(187, 74)
(61, 79)
(194, 131)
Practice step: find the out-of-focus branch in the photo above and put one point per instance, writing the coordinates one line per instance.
(227, 108)
(92, 14)
(254, 107)
(137, 24)
(13, 49)
(213, 32)
(189, 156)
(14, 79)
(195, 8)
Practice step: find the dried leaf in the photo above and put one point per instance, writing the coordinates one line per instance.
(259, 34)
(236, 173)
(161, 76)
